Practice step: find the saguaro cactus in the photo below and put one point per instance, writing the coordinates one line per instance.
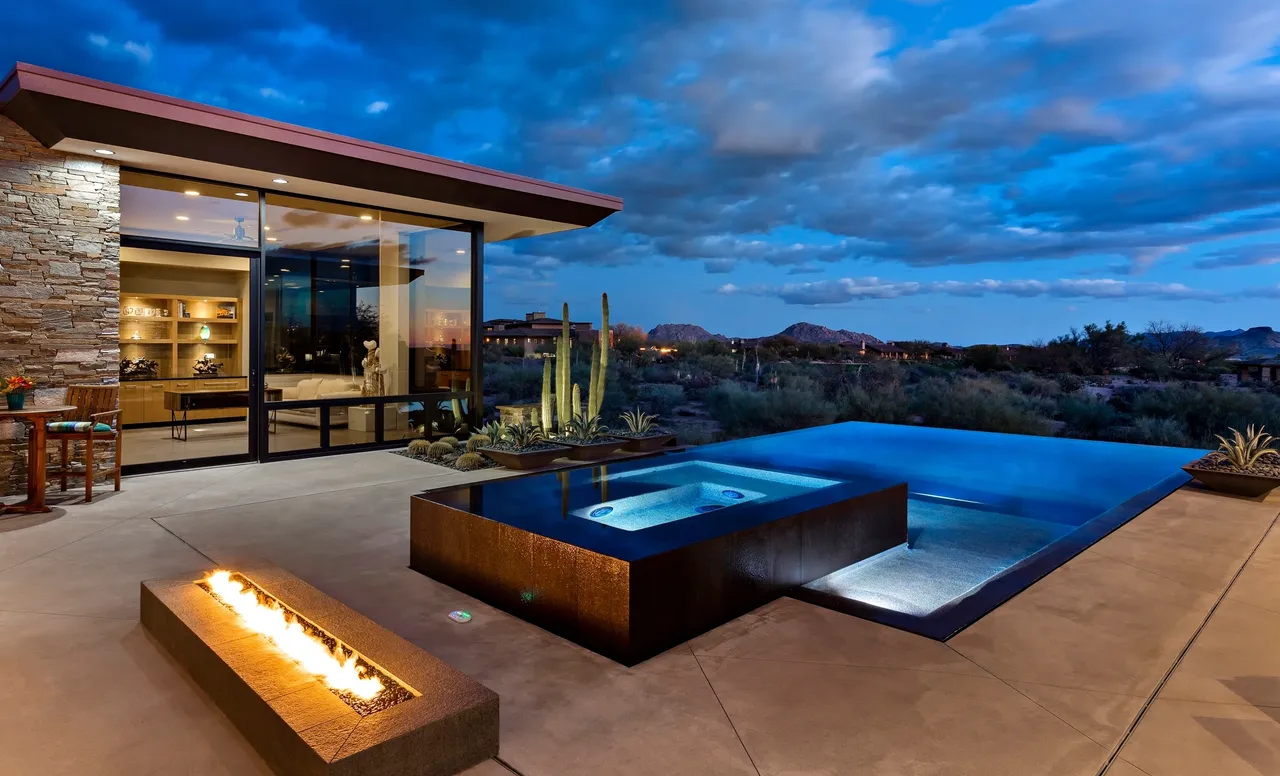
(593, 379)
(600, 371)
(576, 411)
(546, 396)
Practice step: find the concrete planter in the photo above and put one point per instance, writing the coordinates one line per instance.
(526, 459)
(1235, 483)
(645, 444)
(592, 451)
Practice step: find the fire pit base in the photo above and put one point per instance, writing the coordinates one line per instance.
(293, 720)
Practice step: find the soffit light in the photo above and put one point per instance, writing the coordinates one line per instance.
(279, 180)
(191, 193)
(272, 239)
(366, 218)
(241, 194)
(104, 151)
(461, 251)
(182, 218)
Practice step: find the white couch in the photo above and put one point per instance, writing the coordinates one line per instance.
(317, 388)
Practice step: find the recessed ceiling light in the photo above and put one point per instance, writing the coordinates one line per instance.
(104, 151)
(282, 269)
(191, 193)
(279, 180)
(241, 194)
(182, 218)
(273, 239)
(366, 217)
(461, 251)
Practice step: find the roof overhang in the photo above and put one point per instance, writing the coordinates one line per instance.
(152, 132)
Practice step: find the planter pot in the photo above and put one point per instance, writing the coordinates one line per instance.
(1235, 483)
(529, 459)
(645, 444)
(592, 451)
(15, 400)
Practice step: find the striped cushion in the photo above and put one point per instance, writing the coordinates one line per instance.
(76, 427)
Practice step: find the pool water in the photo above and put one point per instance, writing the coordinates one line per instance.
(988, 514)
(683, 490)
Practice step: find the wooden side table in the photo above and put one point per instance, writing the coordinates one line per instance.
(37, 416)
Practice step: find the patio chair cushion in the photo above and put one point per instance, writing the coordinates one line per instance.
(77, 427)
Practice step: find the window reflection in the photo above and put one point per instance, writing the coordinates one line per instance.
(162, 208)
(338, 276)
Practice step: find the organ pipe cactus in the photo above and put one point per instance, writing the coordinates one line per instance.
(600, 370)
(575, 411)
(546, 395)
(562, 372)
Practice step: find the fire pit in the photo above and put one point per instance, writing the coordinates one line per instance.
(314, 686)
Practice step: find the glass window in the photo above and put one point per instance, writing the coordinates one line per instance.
(175, 209)
(339, 275)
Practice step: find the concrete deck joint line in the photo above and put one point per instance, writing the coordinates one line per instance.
(1137, 719)
(184, 541)
(728, 718)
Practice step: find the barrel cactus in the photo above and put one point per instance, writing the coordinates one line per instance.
(439, 450)
(419, 446)
(451, 441)
(478, 441)
(469, 461)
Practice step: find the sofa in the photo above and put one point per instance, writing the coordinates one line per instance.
(316, 388)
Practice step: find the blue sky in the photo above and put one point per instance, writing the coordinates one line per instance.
(961, 170)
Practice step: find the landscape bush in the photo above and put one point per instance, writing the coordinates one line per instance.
(659, 398)
(744, 412)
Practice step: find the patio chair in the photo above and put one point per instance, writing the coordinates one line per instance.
(95, 420)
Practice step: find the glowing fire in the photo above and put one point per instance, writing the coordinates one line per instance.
(334, 667)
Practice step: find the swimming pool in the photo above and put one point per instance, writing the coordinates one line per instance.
(988, 514)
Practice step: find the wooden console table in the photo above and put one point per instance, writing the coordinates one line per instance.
(207, 399)
(37, 416)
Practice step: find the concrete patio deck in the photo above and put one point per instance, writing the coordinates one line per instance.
(1151, 653)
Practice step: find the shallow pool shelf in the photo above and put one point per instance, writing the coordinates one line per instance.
(530, 547)
(443, 722)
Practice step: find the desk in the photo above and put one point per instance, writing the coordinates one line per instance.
(185, 401)
(37, 416)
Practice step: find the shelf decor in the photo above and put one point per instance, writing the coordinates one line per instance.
(204, 331)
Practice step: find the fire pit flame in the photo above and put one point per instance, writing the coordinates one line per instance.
(336, 668)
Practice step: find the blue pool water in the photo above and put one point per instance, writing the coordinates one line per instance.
(692, 488)
(988, 514)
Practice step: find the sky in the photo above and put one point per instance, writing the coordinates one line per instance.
(952, 170)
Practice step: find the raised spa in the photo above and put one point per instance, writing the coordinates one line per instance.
(633, 558)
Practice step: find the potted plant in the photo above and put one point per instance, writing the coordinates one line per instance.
(523, 446)
(15, 391)
(587, 439)
(643, 435)
(1244, 465)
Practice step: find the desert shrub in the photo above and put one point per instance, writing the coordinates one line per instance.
(979, 405)
(419, 446)
(1030, 385)
(478, 441)
(1205, 410)
(887, 403)
(742, 412)
(1156, 431)
(1070, 383)
(514, 383)
(718, 367)
(439, 450)
(468, 461)
(1087, 418)
(659, 398)
(658, 373)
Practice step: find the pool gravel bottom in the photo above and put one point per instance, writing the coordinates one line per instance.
(952, 550)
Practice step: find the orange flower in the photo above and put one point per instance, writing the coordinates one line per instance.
(18, 384)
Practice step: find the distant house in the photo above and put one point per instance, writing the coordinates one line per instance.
(944, 352)
(534, 333)
(1256, 370)
(883, 350)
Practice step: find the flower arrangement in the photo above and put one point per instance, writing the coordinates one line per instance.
(15, 390)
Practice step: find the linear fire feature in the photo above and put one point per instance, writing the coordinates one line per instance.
(314, 686)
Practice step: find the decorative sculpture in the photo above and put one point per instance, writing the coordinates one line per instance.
(374, 372)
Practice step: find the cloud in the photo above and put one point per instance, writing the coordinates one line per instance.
(839, 291)
(1242, 256)
(141, 51)
(377, 106)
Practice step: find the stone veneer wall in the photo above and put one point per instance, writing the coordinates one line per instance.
(59, 277)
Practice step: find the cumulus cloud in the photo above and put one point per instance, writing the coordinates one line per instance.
(376, 107)
(838, 291)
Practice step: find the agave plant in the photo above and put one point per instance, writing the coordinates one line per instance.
(638, 422)
(585, 431)
(493, 429)
(1244, 450)
(522, 435)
